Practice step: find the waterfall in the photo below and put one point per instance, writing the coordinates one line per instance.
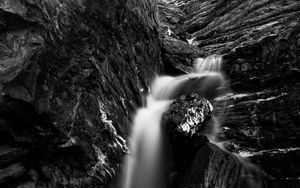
(211, 63)
(143, 167)
(143, 162)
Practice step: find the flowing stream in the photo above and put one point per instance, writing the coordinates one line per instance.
(143, 165)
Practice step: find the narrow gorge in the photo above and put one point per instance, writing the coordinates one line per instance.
(74, 72)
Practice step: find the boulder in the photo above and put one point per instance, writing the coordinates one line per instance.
(192, 160)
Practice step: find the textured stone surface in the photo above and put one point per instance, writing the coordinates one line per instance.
(187, 115)
(178, 56)
(11, 172)
(72, 73)
(194, 162)
(212, 167)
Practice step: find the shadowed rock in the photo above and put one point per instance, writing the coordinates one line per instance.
(193, 161)
(11, 172)
(72, 73)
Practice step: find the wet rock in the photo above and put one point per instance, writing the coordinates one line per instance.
(281, 165)
(177, 52)
(8, 154)
(178, 56)
(212, 167)
(183, 124)
(187, 115)
(171, 18)
(193, 161)
(264, 120)
(11, 172)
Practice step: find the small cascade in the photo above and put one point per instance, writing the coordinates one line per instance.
(211, 63)
(143, 162)
(143, 165)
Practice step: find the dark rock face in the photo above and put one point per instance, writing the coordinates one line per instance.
(183, 123)
(177, 55)
(218, 169)
(71, 75)
(259, 41)
(195, 162)
(187, 115)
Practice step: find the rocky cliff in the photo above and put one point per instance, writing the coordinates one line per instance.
(71, 75)
(259, 41)
(73, 72)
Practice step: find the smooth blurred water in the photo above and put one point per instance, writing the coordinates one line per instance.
(143, 165)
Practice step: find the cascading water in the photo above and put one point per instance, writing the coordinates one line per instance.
(211, 63)
(143, 167)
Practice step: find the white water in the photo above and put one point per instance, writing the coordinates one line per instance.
(143, 168)
(211, 63)
(143, 162)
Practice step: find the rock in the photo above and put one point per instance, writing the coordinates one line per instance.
(212, 167)
(11, 172)
(220, 26)
(177, 52)
(8, 154)
(73, 70)
(281, 165)
(28, 184)
(187, 115)
(262, 120)
(194, 162)
(266, 124)
(171, 17)
(178, 56)
(183, 124)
